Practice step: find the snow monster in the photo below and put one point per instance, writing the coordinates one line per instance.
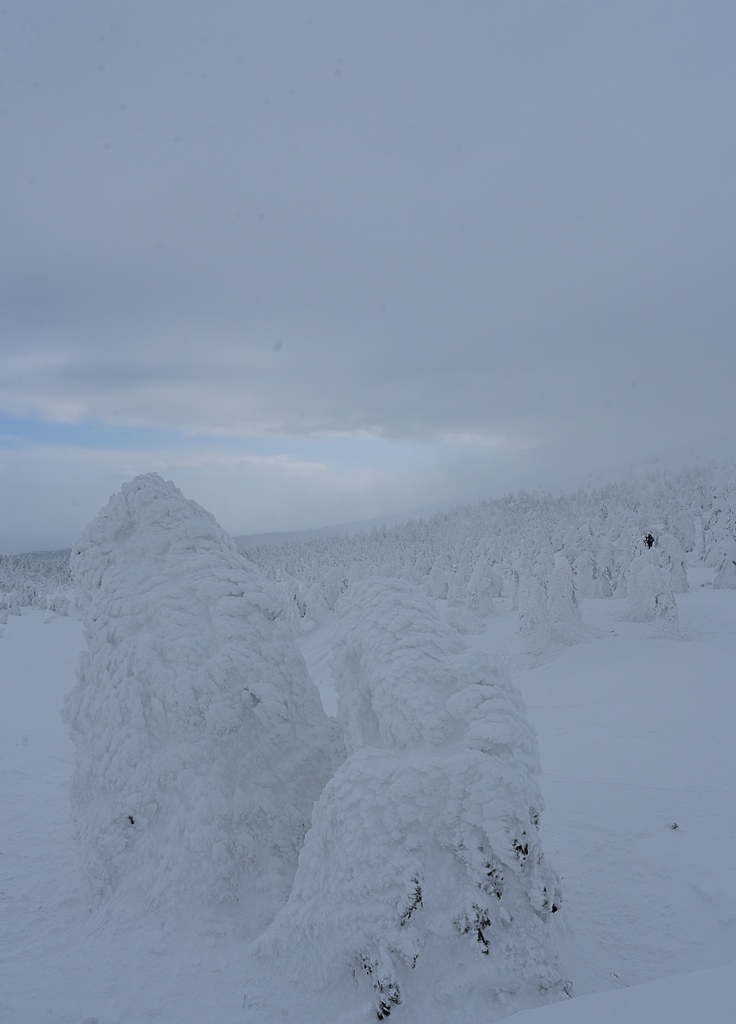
(201, 743)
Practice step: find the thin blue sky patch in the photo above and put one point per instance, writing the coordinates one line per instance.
(16, 432)
(355, 452)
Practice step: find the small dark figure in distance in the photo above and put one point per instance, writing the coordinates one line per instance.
(649, 540)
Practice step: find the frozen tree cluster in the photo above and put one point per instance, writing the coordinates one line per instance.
(28, 581)
(424, 862)
(469, 556)
(394, 850)
(201, 743)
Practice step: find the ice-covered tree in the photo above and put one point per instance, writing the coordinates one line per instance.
(483, 584)
(651, 598)
(719, 528)
(598, 531)
(533, 623)
(201, 743)
(725, 577)
(423, 873)
(583, 546)
(671, 557)
(563, 610)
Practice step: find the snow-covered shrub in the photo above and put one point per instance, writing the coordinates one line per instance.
(563, 610)
(295, 605)
(670, 556)
(58, 603)
(201, 743)
(719, 529)
(651, 598)
(463, 621)
(482, 586)
(435, 584)
(423, 872)
(721, 543)
(583, 547)
(562, 602)
(725, 577)
(332, 588)
(533, 624)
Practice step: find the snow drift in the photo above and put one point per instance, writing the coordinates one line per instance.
(201, 743)
(423, 874)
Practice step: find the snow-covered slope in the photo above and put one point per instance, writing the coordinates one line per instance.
(708, 995)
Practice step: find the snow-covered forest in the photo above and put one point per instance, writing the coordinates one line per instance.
(453, 770)
(28, 582)
(467, 556)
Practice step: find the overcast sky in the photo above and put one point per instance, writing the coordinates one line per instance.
(319, 261)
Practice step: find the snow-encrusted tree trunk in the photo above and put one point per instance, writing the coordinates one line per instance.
(201, 743)
(423, 872)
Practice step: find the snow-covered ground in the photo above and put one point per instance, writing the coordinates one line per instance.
(638, 774)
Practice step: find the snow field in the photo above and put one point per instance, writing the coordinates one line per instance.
(635, 735)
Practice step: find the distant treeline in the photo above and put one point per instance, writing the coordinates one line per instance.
(37, 580)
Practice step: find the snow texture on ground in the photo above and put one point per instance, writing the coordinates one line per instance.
(639, 778)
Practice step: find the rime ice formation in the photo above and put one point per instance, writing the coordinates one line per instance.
(672, 558)
(726, 576)
(201, 742)
(651, 597)
(563, 610)
(423, 871)
(533, 620)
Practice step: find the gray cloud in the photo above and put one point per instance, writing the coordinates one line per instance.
(415, 220)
